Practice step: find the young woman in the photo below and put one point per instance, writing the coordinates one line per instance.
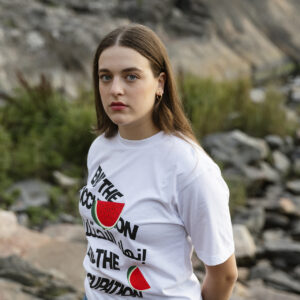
(152, 193)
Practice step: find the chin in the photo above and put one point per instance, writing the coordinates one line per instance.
(119, 121)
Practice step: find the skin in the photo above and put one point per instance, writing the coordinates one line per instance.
(219, 280)
(125, 75)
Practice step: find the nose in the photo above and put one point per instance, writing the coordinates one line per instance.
(117, 87)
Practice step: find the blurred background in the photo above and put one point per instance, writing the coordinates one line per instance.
(238, 73)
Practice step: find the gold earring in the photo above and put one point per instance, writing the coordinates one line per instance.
(158, 97)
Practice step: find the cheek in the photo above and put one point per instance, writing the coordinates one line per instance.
(103, 93)
(146, 92)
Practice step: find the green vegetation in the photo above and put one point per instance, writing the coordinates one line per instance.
(42, 131)
(238, 194)
(222, 106)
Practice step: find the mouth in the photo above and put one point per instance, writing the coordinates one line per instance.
(117, 104)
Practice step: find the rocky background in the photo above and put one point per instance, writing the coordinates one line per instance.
(222, 39)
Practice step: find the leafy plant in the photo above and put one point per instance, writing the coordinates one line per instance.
(222, 106)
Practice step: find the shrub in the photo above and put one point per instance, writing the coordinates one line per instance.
(47, 132)
(5, 157)
(221, 106)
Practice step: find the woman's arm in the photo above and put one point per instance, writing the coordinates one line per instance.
(219, 280)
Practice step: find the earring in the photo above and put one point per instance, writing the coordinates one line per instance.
(158, 97)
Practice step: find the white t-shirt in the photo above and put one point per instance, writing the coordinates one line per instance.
(168, 197)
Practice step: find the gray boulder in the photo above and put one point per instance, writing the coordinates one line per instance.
(253, 218)
(281, 280)
(261, 270)
(12, 290)
(294, 186)
(281, 162)
(32, 193)
(37, 282)
(284, 249)
(275, 142)
(235, 148)
(261, 292)
(244, 244)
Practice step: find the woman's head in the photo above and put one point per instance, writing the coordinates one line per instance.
(167, 113)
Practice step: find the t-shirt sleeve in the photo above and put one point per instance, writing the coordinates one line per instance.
(203, 206)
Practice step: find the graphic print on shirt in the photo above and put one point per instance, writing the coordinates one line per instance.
(136, 279)
(106, 215)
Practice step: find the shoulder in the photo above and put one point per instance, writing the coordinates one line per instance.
(191, 158)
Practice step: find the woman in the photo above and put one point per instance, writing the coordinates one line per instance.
(152, 193)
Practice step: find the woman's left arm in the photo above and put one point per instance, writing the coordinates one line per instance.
(219, 280)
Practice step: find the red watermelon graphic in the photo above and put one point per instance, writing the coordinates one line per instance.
(106, 214)
(136, 279)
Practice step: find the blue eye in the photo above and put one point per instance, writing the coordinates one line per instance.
(131, 77)
(104, 78)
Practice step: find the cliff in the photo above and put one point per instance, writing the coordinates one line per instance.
(222, 39)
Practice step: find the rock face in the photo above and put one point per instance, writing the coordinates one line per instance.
(223, 39)
(244, 244)
(34, 265)
(267, 228)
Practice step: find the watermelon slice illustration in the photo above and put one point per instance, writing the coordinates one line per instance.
(106, 214)
(136, 279)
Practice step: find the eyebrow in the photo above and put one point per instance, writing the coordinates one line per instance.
(123, 71)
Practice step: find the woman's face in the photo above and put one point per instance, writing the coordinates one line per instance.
(127, 88)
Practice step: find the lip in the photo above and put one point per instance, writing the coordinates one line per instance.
(117, 104)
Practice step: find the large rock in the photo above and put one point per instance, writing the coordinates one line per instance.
(253, 218)
(284, 249)
(66, 232)
(235, 148)
(296, 230)
(13, 290)
(35, 281)
(261, 270)
(259, 175)
(245, 248)
(254, 178)
(15, 239)
(281, 162)
(32, 193)
(227, 39)
(294, 186)
(261, 292)
(61, 256)
(276, 220)
(283, 281)
(274, 141)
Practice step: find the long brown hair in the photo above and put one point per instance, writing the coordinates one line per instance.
(168, 114)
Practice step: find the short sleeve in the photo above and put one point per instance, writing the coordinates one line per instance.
(203, 206)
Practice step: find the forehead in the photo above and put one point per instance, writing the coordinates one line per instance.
(118, 58)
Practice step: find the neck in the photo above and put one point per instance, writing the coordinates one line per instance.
(137, 133)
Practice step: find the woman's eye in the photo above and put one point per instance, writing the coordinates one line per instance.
(131, 77)
(105, 78)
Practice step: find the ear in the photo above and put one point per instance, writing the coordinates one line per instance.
(161, 82)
